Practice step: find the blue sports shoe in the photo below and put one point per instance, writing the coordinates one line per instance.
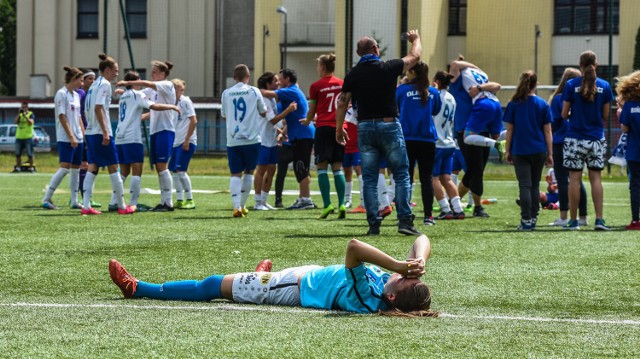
(525, 226)
(572, 225)
(600, 225)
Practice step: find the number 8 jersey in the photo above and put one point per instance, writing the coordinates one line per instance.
(242, 105)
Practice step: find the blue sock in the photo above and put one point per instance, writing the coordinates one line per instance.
(189, 290)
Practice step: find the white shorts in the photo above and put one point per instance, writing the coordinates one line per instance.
(276, 288)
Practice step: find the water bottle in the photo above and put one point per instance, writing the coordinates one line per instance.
(489, 201)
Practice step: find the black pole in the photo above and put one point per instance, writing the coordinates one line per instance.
(104, 26)
(535, 63)
(610, 79)
(286, 39)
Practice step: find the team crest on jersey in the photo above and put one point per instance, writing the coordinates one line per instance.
(265, 278)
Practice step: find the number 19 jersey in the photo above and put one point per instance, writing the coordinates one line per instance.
(325, 93)
(132, 102)
(242, 105)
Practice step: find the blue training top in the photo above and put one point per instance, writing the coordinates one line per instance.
(630, 116)
(296, 130)
(559, 126)
(415, 117)
(528, 118)
(336, 287)
(463, 105)
(586, 117)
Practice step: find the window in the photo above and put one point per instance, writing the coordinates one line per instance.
(585, 17)
(457, 17)
(137, 18)
(3, 131)
(602, 72)
(87, 19)
(141, 72)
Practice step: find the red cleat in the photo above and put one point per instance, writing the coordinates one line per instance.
(385, 211)
(127, 210)
(90, 211)
(633, 226)
(358, 209)
(125, 281)
(264, 265)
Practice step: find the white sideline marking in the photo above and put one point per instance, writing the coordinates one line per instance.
(253, 308)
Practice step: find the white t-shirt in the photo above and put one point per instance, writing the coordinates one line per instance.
(99, 94)
(269, 133)
(444, 121)
(68, 104)
(164, 93)
(182, 125)
(471, 78)
(132, 102)
(242, 105)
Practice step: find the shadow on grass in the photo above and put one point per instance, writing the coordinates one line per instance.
(49, 214)
(545, 230)
(306, 235)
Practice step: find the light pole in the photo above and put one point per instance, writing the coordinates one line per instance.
(538, 34)
(282, 10)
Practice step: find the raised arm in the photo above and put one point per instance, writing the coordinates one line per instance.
(143, 83)
(415, 52)
(359, 252)
(164, 107)
(269, 94)
(457, 66)
(277, 118)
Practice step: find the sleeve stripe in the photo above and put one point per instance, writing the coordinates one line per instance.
(355, 288)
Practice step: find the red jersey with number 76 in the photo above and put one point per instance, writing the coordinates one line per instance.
(325, 93)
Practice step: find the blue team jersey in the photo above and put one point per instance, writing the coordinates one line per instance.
(336, 287)
(559, 126)
(528, 118)
(295, 130)
(416, 118)
(464, 105)
(586, 117)
(630, 117)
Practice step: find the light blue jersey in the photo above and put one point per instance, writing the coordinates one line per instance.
(336, 287)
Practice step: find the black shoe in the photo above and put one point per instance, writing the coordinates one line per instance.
(373, 231)
(279, 203)
(478, 211)
(405, 226)
(162, 208)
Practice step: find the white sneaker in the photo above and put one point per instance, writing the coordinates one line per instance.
(347, 204)
(559, 222)
(269, 207)
(260, 207)
(582, 221)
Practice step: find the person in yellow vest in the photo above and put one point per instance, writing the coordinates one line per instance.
(24, 135)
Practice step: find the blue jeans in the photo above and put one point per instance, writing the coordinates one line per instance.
(378, 139)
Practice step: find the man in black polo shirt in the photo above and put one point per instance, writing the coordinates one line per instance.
(372, 86)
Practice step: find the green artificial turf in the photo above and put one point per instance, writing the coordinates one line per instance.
(502, 293)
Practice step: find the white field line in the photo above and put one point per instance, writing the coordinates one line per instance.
(272, 309)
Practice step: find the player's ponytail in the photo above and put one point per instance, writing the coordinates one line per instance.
(421, 80)
(528, 82)
(328, 61)
(72, 73)
(443, 79)
(164, 67)
(588, 65)
(106, 62)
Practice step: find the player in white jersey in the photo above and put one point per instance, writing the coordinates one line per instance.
(184, 146)
(129, 136)
(102, 148)
(242, 107)
(445, 148)
(70, 135)
(268, 157)
(162, 127)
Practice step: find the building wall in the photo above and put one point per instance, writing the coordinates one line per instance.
(265, 15)
(431, 18)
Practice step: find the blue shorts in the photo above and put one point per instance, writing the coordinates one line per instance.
(553, 197)
(98, 154)
(486, 115)
(180, 159)
(243, 158)
(458, 161)
(351, 160)
(129, 153)
(68, 154)
(160, 146)
(443, 162)
(268, 156)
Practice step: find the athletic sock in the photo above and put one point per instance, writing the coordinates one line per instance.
(360, 187)
(455, 203)
(257, 197)
(178, 186)
(88, 190)
(382, 191)
(186, 185)
(247, 183)
(478, 140)
(54, 183)
(134, 190)
(166, 196)
(347, 191)
(340, 183)
(325, 187)
(235, 188)
(190, 290)
(265, 197)
(118, 189)
(74, 179)
(444, 205)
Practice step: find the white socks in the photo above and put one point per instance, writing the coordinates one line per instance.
(118, 189)
(265, 197)
(455, 203)
(477, 140)
(164, 179)
(54, 183)
(114, 200)
(247, 183)
(347, 192)
(134, 190)
(382, 191)
(235, 187)
(391, 189)
(444, 205)
(89, 179)
(74, 182)
(186, 184)
(177, 183)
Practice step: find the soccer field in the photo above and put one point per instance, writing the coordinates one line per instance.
(501, 293)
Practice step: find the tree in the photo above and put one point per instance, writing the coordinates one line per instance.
(636, 58)
(8, 47)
